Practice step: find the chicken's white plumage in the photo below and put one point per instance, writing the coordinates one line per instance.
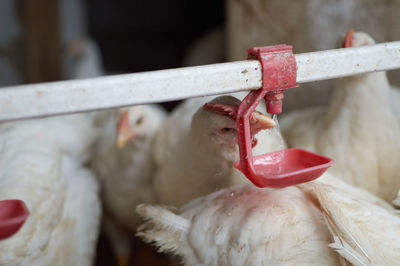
(125, 173)
(242, 226)
(364, 233)
(310, 224)
(358, 130)
(41, 163)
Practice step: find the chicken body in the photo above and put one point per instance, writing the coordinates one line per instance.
(296, 225)
(179, 155)
(41, 163)
(194, 152)
(358, 130)
(125, 173)
(242, 226)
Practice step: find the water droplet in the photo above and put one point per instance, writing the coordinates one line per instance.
(232, 194)
(277, 131)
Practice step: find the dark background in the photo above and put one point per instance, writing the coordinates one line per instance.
(141, 35)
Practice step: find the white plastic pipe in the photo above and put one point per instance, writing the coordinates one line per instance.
(45, 99)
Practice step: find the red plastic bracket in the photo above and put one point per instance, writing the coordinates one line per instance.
(279, 72)
(281, 168)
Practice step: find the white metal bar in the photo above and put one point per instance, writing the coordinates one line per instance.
(129, 89)
(38, 100)
(347, 62)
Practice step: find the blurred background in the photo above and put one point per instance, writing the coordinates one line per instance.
(48, 40)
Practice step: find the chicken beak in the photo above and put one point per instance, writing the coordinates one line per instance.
(124, 131)
(260, 121)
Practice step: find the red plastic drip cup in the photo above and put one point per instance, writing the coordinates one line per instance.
(286, 167)
(276, 169)
(13, 214)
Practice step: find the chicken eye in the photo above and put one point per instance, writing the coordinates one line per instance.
(226, 130)
(139, 121)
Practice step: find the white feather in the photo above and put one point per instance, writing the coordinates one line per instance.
(346, 251)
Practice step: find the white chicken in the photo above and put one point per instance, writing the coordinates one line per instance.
(300, 225)
(41, 163)
(195, 150)
(83, 59)
(125, 172)
(358, 129)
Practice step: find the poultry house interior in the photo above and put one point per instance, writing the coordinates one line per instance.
(157, 184)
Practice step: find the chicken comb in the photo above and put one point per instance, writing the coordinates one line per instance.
(348, 40)
(221, 109)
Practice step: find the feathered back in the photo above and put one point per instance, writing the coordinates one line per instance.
(364, 233)
(244, 225)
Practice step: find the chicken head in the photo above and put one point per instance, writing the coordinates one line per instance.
(134, 123)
